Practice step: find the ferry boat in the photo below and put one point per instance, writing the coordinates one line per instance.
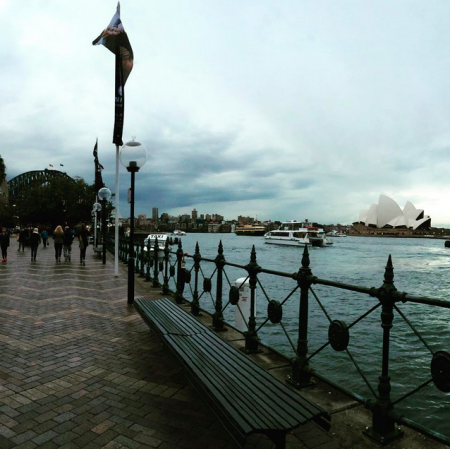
(255, 230)
(162, 238)
(336, 233)
(293, 233)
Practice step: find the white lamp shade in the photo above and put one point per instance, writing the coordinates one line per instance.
(133, 154)
(97, 207)
(104, 194)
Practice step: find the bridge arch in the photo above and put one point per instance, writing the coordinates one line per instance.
(31, 179)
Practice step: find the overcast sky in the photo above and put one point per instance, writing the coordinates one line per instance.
(280, 109)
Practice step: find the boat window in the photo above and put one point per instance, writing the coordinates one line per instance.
(299, 235)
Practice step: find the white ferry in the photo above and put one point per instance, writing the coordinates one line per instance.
(178, 233)
(162, 238)
(293, 233)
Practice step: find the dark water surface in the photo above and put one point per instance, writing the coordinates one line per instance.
(421, 267)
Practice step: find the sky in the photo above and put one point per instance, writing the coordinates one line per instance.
(282, 110)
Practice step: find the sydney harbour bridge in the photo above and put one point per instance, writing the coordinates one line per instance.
(32, 179)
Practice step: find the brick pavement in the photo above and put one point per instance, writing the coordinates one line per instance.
(80, 369)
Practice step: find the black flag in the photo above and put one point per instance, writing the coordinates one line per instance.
(116, 40)
(98, 172)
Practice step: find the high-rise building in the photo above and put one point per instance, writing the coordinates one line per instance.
(194, 215)
(155, 214)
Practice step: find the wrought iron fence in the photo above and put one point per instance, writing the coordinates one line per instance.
(187, 277)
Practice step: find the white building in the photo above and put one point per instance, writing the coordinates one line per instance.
(388, 214)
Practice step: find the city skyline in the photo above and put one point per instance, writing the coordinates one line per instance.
(289, 110)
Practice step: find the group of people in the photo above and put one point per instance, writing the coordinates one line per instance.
(62, 239)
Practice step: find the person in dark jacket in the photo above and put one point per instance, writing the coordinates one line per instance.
(35, 240)
(68, 239)
(23, 234)
(83, 243)
(4, 243)
(58, 239)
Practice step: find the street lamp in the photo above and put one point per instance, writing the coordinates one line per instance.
(96, 208)
(104, 195)
(132, 156)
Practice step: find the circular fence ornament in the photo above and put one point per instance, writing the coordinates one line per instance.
(274, 311)
(440, 370)
(207, 285)
(234, 295)
(187, 276)
(338, 335)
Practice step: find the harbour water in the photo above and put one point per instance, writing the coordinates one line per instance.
(421, 267)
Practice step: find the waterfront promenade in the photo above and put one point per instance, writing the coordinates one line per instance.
(80, 369)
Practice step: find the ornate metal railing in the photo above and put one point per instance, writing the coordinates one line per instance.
(186, 277)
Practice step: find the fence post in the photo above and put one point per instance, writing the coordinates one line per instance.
(165, 290)
(251, 336)
(141, 271)
(301, 371)
(126, 244)
(147, 271)
(195, 305)
(383, 428)
(180, 275)
(218, 323)
(136, 265)
(155, 262)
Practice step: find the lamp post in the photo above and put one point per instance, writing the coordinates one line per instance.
(96, 208)
(104, 195)
(132, 156)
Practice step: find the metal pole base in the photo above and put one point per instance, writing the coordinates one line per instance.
(130, 280)
(383, 439)
(299, 384)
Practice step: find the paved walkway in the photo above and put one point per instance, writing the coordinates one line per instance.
(80, 369)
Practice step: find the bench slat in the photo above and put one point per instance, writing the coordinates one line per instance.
(254, 384)
(168, 318)
(201, 368)
(259, 376)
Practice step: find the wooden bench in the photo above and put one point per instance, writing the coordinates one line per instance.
(245, 397)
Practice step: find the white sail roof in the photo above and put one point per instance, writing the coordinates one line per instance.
(387, 213)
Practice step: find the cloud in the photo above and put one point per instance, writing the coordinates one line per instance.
(285, 110)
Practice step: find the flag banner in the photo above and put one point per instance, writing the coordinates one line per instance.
(50, 165)
(115, 39)
(98, 171)
(61, 165)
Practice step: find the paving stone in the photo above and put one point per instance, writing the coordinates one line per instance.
(79, 369)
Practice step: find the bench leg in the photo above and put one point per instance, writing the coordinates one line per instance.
(279, 438)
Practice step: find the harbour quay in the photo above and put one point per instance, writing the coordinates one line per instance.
(79, 368)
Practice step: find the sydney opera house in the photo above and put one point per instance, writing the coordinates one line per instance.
(388, 216)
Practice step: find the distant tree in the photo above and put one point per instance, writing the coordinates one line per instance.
(2, 169)
(59, 201)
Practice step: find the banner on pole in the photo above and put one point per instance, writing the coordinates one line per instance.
(115, 39)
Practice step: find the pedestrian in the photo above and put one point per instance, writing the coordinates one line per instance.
(44, 236)
(22, 239)
(4, 243)
(35, 240)
(58, 239)
(68, 239)
(83, 243)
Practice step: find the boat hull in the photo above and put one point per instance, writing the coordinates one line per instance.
(286, 242)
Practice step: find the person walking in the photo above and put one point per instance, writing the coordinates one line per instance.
(35, 240)
(22, 239)
(4, 243)
(83, 243)
(58, 239)
(68, 239)
(44, 236)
